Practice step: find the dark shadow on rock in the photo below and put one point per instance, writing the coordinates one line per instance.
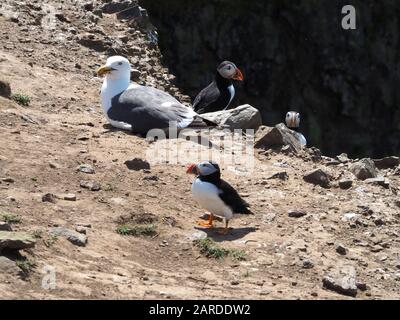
(21, 261)
(233, 233)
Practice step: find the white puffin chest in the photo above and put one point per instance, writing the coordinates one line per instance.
(231, 90)
(207, 195)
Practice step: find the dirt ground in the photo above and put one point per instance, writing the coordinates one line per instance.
(42, 144)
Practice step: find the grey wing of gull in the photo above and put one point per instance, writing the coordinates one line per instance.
(147, 108)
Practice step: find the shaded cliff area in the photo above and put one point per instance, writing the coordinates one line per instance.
(295, 56)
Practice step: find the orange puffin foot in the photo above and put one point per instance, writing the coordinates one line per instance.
(205, 224)
(208, 223)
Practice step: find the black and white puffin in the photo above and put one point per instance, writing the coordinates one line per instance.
(138, 108)
(293, 122)
(215, 194)
(219, 94)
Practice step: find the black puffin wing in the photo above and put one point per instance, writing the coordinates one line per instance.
(231, 197)
(207, 96)
(147, 108)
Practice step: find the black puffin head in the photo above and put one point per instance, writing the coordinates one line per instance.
(206, 171)
(292, 119)
(228, 70)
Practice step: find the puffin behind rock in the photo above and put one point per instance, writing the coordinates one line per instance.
(219, 94)
(215, 194)
(138, 108)
(293, 122)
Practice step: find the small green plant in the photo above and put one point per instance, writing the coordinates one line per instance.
(108, 187)
(10, 218)
(238, 255)
(34, 179)
(25, 265)
(137, 229)
(52, 239)
(37, 234)
(21, 99)
(211, 250)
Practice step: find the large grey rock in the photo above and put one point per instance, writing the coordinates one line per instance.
(342, 281)
(364, 169)
(16, 240)
(242, 117)
(8, 266)
(278, 136)
(318, 177)
(72, 236)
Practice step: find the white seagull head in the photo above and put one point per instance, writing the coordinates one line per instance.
(116, 68)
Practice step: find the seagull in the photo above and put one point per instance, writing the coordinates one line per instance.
(137, 108)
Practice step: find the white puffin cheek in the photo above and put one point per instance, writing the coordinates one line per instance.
(228, 74)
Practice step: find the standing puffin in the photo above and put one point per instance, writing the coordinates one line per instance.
(219, 94)
(215, 194)
(293, 122)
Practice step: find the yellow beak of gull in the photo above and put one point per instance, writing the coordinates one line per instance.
(103, 70)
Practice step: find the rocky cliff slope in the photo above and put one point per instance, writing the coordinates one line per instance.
(295, 55)
(92, 217)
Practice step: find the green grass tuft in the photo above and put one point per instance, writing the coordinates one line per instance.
(37, 234)
(238, 255)
(52, 239)
(108, 187)
(25, 265)
(10, 218)
(21, 99)
(211, 250)
(137, 229)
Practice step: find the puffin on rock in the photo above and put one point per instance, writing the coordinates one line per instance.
(138, 108)
(293, 122)
(215, 194)
(219, 94)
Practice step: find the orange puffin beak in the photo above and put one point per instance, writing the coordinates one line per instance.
(192, 169)
(239, 75)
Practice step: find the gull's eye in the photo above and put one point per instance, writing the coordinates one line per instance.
(120, 63)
